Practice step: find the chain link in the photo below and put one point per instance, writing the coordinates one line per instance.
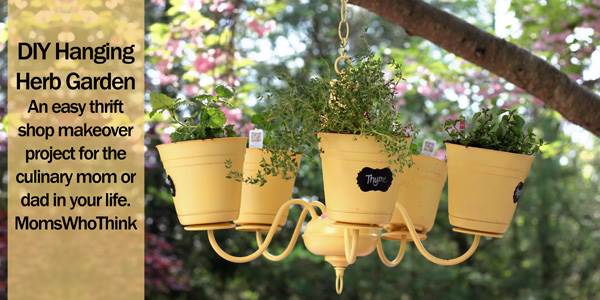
(344, 34)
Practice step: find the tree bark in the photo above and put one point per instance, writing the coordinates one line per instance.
(517, 65)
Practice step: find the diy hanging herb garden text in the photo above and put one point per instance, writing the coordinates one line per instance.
(73, 80)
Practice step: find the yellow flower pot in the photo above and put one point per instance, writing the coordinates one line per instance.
(358, 182)
(419, 191)
(260, 203)
(484, 187)
(196, 171)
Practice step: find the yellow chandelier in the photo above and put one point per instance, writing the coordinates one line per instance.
(365, 203)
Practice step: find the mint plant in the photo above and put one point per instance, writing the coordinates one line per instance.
(204, 120)
(359, 101)
(495, 129)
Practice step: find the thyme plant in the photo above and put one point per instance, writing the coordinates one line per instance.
(359, 101)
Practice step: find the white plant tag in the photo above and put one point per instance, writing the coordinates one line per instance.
(256, 138)
(429, 147)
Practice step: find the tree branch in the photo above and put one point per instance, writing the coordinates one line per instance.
(590, 84)
(517, 65)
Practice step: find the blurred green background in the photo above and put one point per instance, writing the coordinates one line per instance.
(552, 249)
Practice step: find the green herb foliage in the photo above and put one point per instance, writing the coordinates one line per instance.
(496, 129)
(284, 141)
(360, 101)
(205, 119)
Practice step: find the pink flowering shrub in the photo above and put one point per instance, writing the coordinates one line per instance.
(261, 29)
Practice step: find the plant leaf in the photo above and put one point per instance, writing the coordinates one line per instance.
(259, 121)
(216, 117)
(161, 101)
(200, 98)
(223, 91)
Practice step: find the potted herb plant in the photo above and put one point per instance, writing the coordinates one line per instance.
(489, 157)
(195, 160)
(351, 121)
(263, 192)
(419, 192)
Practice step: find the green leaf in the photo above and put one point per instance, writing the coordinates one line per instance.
(216, 117)
(518, 121)
(211, 40)
(230, 131)
(223, 91)
(161, 101)
(259, 121)
(200, 98)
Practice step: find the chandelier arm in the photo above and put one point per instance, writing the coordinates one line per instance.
(272, 230)
(291, 244)
(318, 204)
(309, 206)
(425, 253)
(350, 244)
(396, 261)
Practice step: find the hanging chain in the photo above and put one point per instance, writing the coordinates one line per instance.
(343, 33)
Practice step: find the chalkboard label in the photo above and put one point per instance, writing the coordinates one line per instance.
(369, 179)
(517, 193)
(171, 185)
